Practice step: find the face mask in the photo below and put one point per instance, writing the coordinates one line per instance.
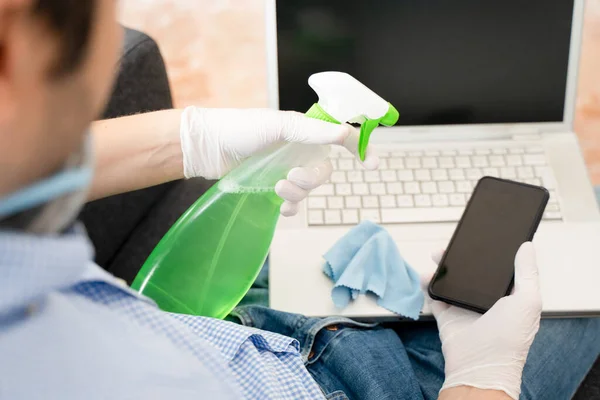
(50, 205)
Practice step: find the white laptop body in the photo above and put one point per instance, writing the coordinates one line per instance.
(419, 192)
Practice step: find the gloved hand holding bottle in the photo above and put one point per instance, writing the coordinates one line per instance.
(215, 141)
(486, 353)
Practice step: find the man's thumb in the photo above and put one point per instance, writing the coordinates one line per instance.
(526, 270)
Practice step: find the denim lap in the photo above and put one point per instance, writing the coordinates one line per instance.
(360, 361)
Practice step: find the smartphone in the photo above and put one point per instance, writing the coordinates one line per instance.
(477, 268)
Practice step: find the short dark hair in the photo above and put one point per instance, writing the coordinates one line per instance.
(72, 21)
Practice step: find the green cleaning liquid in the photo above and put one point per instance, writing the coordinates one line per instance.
(207, 261)
(230, 225)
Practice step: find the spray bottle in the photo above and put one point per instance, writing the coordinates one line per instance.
(207, 261)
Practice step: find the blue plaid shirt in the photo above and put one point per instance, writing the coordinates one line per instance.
(69, 330)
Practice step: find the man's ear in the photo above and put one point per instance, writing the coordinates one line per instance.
(18, 58)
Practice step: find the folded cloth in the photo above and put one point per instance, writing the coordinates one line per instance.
(366, 259)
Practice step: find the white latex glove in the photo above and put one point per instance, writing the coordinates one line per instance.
(489, 351)
(214, 141)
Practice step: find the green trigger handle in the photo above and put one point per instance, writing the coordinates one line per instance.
(389, 119)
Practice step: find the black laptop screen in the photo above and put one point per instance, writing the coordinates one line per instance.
(437, 61)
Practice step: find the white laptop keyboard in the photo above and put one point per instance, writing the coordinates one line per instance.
(422, 186)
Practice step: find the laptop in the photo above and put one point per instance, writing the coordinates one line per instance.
(483, 88)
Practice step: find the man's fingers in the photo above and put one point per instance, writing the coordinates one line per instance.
(288, 209)
(309, 178)
(351, 144)
(288, 191)
(296, 127)
(437, 256)
(526, 270)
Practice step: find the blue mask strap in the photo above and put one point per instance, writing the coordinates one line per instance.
(39, 193)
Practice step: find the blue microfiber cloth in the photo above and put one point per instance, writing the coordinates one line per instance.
(366, 259)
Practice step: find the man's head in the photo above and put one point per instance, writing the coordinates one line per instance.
(57, 59)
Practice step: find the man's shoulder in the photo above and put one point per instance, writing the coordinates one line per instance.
(68, 335)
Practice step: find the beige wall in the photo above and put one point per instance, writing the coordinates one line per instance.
(215, 54)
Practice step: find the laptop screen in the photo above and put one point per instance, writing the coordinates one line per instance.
(436, 61)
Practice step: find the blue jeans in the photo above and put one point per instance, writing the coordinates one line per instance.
(350, 360)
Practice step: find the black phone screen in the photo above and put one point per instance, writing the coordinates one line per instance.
(478, 266)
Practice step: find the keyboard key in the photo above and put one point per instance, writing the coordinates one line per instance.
(395, 188)
(465, 152)
(415, 153)
(499, 151)
(439, 200)
(350, 216)
(474, 174)
(338, 177)
(405, 175)
(388, 175)
(497, 161)
(387, 201)
(463, 162)
(370, 201)
(482, 152)
(525, 172)
(457, 174)
(344, 153)
(534, 159)
(334, 163)
(377, 188)
(516, 150)
(508, 173)
(335, 202)
(432, 153)
(480, 161)
(396, 163)
(553, 198)
(372, 176)
(446, 186)
(545, 174)
(370, 215)
(410, 215)
(355, 176)
(552, 215)
(360, 188)
(383, 163)
(514, 160)
(449, 153)
(423, 200)
(404, 200)
(400, 154)
(323, 190)
(446, 162)
(333, 217)
(413, 162)
(316, 202)
(315, 217)
(345, 164)
(535, 149)
(343, 189)
(491, 171)
(429, 162)
(464, 187)
(439, 175)
(412, 187)
(429, 187)
(353, 202)
(457, 200)
(422, 175)
(534, 181)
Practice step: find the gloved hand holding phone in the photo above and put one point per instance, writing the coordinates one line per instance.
(215, 141)
(489, 351)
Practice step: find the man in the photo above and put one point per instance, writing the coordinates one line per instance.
(70, 330)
